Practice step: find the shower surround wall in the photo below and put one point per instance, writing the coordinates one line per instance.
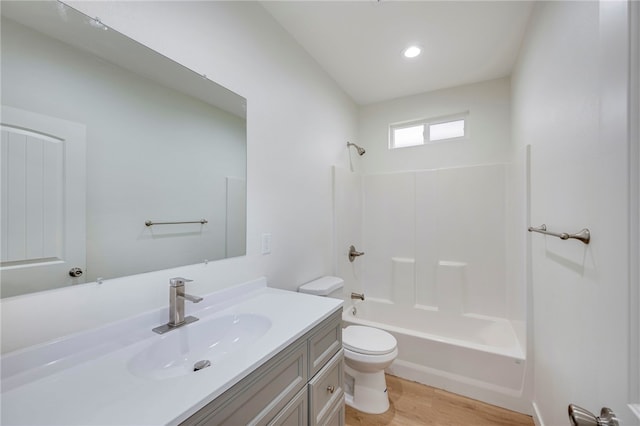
(439, 214)
(436, 239)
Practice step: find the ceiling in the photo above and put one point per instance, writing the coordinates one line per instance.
(360, 43)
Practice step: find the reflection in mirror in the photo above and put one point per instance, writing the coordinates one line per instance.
(100, 135)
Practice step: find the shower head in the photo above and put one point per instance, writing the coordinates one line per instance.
(360, 150)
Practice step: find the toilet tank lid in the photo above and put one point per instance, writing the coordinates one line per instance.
(322, 286)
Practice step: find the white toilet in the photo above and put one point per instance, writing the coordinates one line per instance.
(367, 352)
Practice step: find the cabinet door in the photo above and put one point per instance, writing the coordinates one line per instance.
(336, 417)
(295, 413)
(325, 343)
(326, 391)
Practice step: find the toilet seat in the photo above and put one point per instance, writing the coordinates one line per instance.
(368, 340)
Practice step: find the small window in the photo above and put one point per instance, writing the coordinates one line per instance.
(408, 136)
(421, 132)
(446, 130)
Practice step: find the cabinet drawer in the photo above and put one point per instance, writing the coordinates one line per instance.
(326, 391)
(325, 343)
(295, 413)
(258, 399)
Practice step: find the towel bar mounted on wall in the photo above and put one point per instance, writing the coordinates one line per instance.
(583, 235)
(151, 223)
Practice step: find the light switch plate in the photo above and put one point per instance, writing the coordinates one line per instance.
(266, 243)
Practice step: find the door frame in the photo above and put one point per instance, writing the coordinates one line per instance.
(634, 207)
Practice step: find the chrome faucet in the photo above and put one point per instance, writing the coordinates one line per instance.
(177, 297)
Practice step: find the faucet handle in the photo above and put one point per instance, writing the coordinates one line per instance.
(179, 281)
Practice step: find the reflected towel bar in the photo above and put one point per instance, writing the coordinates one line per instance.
(151, 223)
(584, 235)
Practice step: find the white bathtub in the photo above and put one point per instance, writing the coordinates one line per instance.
(475, 356)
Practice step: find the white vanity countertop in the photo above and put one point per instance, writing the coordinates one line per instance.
(68, 384)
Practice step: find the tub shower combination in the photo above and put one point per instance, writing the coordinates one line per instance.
(434, 277)
(479, 357)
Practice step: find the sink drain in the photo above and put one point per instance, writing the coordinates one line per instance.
(201, 364)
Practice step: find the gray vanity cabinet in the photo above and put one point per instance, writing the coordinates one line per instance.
(301, 385)
(295, 413)
(326, 394)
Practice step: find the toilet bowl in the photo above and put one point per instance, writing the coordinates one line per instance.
(367, 352)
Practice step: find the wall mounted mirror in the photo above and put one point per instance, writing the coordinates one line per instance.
(99, 136)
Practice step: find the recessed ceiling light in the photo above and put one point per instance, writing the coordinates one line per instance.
(412, 51)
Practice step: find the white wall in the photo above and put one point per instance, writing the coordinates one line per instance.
(298, 125)
(570, 108)
(488, 123)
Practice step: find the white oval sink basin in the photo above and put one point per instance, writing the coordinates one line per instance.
(213, 340)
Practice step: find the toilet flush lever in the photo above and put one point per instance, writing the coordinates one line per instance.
(581, 417)
(353, 253)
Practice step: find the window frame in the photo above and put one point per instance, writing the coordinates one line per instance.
(426, 133)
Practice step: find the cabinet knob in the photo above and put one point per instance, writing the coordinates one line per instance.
(331, 388)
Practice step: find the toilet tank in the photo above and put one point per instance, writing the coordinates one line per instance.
(325, 286)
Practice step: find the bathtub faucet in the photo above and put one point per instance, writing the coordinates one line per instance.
(357, 296)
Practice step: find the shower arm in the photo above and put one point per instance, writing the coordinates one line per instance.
(361, 150)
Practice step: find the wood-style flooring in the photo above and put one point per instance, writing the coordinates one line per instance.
(414, 404)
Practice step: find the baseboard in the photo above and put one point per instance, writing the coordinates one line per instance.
(537, 418)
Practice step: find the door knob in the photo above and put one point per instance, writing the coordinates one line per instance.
(75, 272)
(581, 417)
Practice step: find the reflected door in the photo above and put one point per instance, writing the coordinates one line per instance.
(43, 186)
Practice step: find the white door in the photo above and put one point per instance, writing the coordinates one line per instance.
(43, 176)
(580, 179)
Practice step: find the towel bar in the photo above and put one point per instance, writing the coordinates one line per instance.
(583, 235)
(151, 223)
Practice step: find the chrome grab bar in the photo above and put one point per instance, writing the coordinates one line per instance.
(151, 223)
(583, 235)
